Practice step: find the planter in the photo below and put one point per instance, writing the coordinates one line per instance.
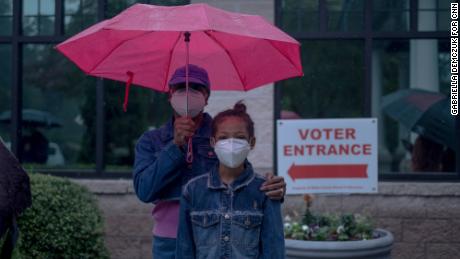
(379, 248)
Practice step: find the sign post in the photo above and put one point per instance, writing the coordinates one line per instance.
(328, 155)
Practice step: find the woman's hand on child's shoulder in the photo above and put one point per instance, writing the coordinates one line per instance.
(274, 187)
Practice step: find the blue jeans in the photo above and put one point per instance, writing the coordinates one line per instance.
(164, 248)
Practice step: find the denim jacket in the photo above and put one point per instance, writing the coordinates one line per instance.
(236, 221)
(160, 169)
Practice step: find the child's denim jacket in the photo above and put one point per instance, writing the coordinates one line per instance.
(237, 221)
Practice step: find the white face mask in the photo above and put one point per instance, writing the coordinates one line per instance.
(196, 102)
(232, 152)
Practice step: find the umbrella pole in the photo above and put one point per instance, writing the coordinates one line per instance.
(189, 156)
(187, 41)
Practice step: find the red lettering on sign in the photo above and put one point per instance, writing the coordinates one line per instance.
(353, 149)
(344, 149)
(304, 134)
(338, 133)
(310, 148)
(320, 150)
(350, 133)
(298, 150)
(327, 150)
(367, 149)
(328, 132)
(315, 134)
(332, 150)
(288, 150)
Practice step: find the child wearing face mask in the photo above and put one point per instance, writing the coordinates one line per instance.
(223, 213)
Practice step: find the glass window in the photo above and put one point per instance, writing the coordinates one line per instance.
(300, 16)
(6, 17)
(5, 92)
(345, 15)
(418, 145)
(116, 6)
(58, 110)
(147, 109)
(38, 17)
(332, 86)
(79, 14)
(434, 15)
(390, 15)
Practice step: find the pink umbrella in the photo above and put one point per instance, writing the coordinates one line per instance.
(239, 51)
(145, 44)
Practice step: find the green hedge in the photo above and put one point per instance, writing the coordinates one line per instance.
(63, 222)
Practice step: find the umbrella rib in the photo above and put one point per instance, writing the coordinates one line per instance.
(114, 49)
(229, 56)
(282, 54)
(169, 61)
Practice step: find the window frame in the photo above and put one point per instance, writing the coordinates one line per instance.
(368, 36)
(17, 40)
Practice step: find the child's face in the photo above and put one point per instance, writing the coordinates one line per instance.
(233, 127)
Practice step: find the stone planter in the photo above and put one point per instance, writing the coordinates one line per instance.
(379, 248)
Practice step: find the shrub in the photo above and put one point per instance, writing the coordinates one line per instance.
(63, 222)
(328, 227)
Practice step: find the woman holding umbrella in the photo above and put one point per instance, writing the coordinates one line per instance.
(149, 45)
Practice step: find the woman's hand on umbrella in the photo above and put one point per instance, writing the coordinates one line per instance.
(274, 187)
(183, 128)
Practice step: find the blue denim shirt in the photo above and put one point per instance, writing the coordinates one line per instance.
(160, 169)
(236, 221)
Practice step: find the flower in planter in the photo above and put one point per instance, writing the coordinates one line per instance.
(328, 227)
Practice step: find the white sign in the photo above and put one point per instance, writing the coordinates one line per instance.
(328, 155)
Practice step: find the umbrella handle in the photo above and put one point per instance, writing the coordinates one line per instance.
(189, 157)
(128, 85)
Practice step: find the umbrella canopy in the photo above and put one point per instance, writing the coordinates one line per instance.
(145, 44)
(426, 113)
(33, 118)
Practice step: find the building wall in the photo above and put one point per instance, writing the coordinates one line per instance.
(423, 217)
(258, 101)
(127, 220)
